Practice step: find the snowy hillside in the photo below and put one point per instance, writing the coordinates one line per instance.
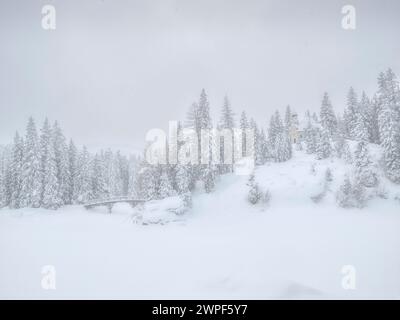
(224, 247)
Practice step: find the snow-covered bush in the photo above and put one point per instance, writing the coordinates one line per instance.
(360, 194)
(162, 211)
(351, 194)
(256, 195)
(344, 196)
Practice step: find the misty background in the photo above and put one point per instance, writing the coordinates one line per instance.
(112, 70)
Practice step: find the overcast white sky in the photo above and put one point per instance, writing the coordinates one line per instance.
(114, 69)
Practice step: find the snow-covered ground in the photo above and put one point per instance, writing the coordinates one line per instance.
(224, 248)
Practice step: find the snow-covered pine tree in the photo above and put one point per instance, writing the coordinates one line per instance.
(273, 132)
(31, 177)
(50, 192)
(359, 193)
(244, 125)
(324, 148)
(364, 169)
(182, 179)
(149, 181)
(134, 163)
(283, 146)
(15, 172)
(51, 197)
(3, 174)
(341, 127)
(361, 125)
(342, 149)
(165, 188)
(351, 114)
(116, 173)
(327, 115)
(310, 135)
(209, 176)
(373, 122)
(61, 156)
(288, 118)
(257, 143)
(389, 124)
(45, 145)
(72, 171)
(263, 147)
(198, 118)
(226, 122)
(121, 168)
(98, 178)
(83, 183)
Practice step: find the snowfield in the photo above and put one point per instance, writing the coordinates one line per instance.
(223, 248)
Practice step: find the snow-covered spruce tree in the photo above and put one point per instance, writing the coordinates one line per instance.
(50, 191)
(72, 171)
(255, 194)
(389, 124)
(364, 170)
(15, 172)
(116, 171)
(327, 116)
(148, 181)
(98, 178)
(341, 127)
(373, 120)
(272, 135)
(198, 118)
(288, 118)
(226, 122)
(344, 196)
(283, 146)
(263, 149)
(359, 193)
(134, 163)
(342, 149)
(30, 176)
(209, 179)
(165, 189)
(310, 138)
(182, 179)
(367, 112)
(244, 125)
(351, 114)
(3, 169)
(121, 168)
(361, 125)
(324, 148)
(61, 156)
(257, 142)
(83, 183)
